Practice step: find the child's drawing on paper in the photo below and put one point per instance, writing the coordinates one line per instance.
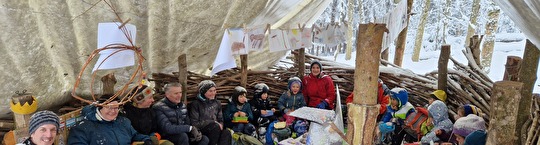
(318, 35)
(255, 38)
(295, 37)
(237, 41)
(278, 40)
(306, 38)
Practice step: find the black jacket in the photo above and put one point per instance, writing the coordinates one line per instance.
(142, 119)
(203, 112)
(171, 118)
(258, 104)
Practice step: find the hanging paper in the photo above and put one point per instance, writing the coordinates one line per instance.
(236, 38)
(109, 33)
(224, 59)
(278, 40)
(306, 38)
(255, 38)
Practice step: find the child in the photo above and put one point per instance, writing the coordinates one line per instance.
(291, 99)
(437, 95)
(382, 98)
(442, 126)
(239, 108)
(470, 129)
(467, 109)
(260, 105)
(397, 111)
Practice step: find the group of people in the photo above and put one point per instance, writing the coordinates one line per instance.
(203, 121)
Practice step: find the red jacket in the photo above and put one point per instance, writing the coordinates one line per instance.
(316, 90)
(381, 99)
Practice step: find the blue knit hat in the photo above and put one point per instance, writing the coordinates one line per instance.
(41, 118)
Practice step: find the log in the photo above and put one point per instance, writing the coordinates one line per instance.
(301, 63)
(474, 48)
(503, 123)
(183, 74)
(108, 83)
(443, 68)
(366, 75)
(527, 75)
(244, 65)
(512, 68)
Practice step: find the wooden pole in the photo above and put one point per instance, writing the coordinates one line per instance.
(244, 64)
(443, 67)
(384, 55)
(364, 110)
(527, 75)
(183, 75)
(503, 117)
(108, 83)
(402, 38)
(301, 58)
(475, 42)
(512, 67)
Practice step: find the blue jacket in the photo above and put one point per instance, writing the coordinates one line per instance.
(171, 118)
(232, 108)
(92, 131)
(287, 101)
(404, 107)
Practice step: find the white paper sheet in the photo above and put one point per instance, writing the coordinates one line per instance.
(236, 41)
(278, 40)
(255, 38)
(108, 33)
(224, 59)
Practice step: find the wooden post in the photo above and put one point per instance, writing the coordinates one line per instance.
(183, 75)
(364, 110)
(384, 55)
(527, 75)
(475, 47)
(512, 67)
(402, 38)
(443, 67)
(502, 122)
(23, 105)
(244, 64)
(301, 61)
(108, 83)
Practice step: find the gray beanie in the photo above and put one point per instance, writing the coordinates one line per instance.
(205, 85)
(41, 118)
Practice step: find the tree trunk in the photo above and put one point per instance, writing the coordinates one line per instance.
(443, 68)
(244, 64)
(402, 38)
(512, 68)
(472, 21)
(384, 55)
(420, 34)
(301, 61)
(474, 45)
(364, 110)
(527, 75)
(183, 75)
(108, 83)
(502, 122)
(489, 42)
(350, 28)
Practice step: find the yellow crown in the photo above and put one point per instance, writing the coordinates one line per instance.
(25, 108)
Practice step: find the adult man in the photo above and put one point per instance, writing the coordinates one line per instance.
(205, 113)
(173, 120)
(43, 128)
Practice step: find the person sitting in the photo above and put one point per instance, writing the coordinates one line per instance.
(291, 99)
(318, 88)
(43, 128)
(437, 95)
(382, 98)
(102, 125)
(263, 111)
(238, 107)
(205, 114)
(396, 112)
(173, 120)
(442, 126)
(467, 109)
(470, 130)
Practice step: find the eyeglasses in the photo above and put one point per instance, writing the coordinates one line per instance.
(112, 107)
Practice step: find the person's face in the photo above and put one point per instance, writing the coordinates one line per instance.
(174, 94)
(110, 111)
(44, 135)
(242, 98)
(264, 96)
(295, 88)
(147, 102)
(315, 69)
(394, 102)
(460, 139)
(211, 93)
(431, 100)
(460, 113)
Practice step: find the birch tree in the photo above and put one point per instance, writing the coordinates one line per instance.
(489, 39)
(472, 21)
(420, 32)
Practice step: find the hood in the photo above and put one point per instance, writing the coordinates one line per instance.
(476, 138)
(401, 95)
(294, 80)
(438, 111)
(89, 112)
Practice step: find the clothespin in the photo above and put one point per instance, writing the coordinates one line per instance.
(267, 28)
(300, 28)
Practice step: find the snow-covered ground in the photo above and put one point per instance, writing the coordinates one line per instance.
(428, 59)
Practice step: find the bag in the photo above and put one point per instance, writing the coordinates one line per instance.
(413, 122)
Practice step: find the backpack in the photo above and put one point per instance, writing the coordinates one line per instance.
(413, 122)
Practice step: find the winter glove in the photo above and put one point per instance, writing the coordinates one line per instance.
(322, 105)
(196, 134)
(147, 142)
(386, 127)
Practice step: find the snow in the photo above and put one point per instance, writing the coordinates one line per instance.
(429, 59)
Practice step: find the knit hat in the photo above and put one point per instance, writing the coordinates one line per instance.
(439, 95)
(142, 93)
(261, 88)
(466, 125)
(471, 109)
(315, 62)
(401, 95)
(294, 80)
(238, 90)
(41, 118)
(205, 85)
